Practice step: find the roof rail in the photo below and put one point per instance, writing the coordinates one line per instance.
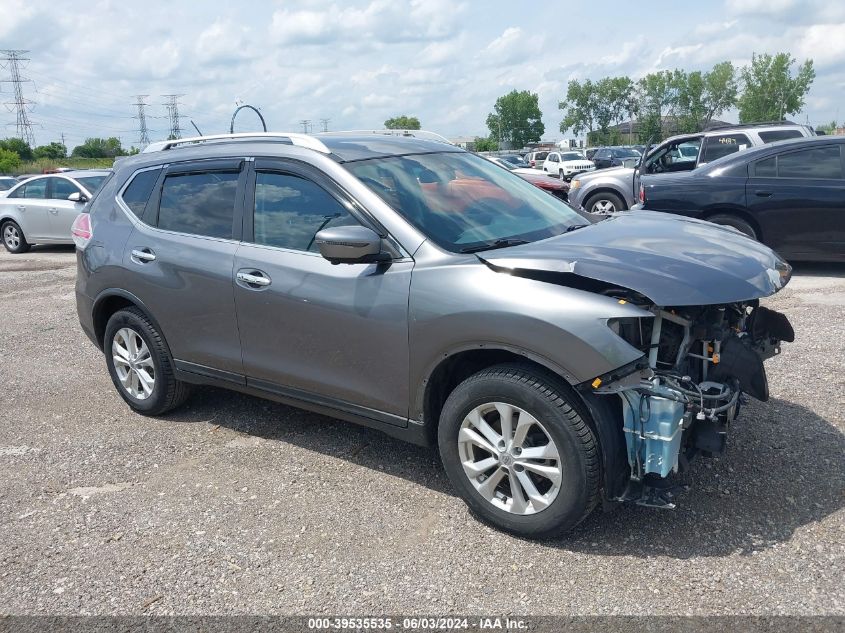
(294, 138)
(725, 126)
(423, 134)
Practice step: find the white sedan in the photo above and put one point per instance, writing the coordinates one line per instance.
(42, 209)
(510, 166)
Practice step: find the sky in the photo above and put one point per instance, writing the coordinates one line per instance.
(358, 63)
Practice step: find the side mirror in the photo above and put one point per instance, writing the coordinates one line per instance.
(76, 196)
(350, 245)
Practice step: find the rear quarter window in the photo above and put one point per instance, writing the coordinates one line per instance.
(779, 135)
(140, 188)
(199, 203)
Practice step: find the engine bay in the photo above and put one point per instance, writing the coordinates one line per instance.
(699, 363)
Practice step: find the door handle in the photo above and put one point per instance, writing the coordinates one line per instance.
(21, 207)
(763, 194)
(53, 210)
(253, 278)
(143, 255)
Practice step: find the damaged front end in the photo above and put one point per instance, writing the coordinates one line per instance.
(680, 400)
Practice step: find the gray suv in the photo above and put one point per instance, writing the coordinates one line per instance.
(407, 285)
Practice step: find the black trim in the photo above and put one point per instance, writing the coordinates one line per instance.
(205, 166)
(209, 372)
(388, 423)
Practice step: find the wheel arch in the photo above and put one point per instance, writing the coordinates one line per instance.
(603, 414)
(737, 212)
(110, 301)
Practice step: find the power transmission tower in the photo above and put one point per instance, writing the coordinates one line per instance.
(143, 136)
(12, 58)
(306, 124)
(325, 124)
(172, 106)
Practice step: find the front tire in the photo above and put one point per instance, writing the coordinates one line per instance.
(140, 365)
(604, 203)
(13, 237)
(515, 444)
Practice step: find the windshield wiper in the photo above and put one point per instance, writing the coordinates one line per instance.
(489, 246)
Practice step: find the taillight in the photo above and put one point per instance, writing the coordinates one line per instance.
(81, 230)
(642, 194)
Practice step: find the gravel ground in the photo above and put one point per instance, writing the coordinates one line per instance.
(239, 505)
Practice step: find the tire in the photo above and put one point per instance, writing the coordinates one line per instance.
(604, 203)
(738, 223)
(13, 237)
(166, 392)
(558, 422)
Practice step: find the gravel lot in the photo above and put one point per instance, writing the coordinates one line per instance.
(238, 505)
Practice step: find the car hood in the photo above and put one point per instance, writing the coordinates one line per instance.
(607, 171)
(671, 260)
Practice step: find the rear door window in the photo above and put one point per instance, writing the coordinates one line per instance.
(36, 189)
(819, 162)
(199, 203)
(723, 145)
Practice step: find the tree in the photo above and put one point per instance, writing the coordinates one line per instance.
(593, 107)
(18, 146)
(770, 91)
(516, 119)
(403, 123)
(828, 128)
(486, 145)
(579, 107)
(8, 160)
(657, 96)
(53, 150)
(99, 148)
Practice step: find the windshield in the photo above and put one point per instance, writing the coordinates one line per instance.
(463, 202)
(91, 183)
(626, 152)
(571, 156)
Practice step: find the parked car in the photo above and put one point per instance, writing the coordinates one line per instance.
(551, 185)
(589, 152)
(416, 288)
(42, 209)
(789, 195)
(516, 167)
(612, 190)
(515, 160)
(565, 165)
(536, 159)
(615, 157)
(6, 183)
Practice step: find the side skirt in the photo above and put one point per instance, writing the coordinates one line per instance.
(388, 423)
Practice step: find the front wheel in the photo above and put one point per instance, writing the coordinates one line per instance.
(604, 203)
(13, 237)
(738, 223)
(515, 444)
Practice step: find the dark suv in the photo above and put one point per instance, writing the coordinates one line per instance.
(413, 287)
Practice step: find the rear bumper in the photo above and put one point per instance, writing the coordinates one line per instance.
(85, 311)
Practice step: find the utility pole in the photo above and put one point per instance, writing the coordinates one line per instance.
(172, 106)
(325, 123)
(305, 123)
(12, 58)
(143, 136)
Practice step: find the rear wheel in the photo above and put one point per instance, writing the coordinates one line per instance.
(604, 203)
(13, 237)
(518, 450)
(738, 223)
(140, 365)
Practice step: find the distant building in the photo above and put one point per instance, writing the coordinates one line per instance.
(464, 142)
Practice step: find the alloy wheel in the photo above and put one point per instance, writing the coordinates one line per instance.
(133, 363)
(603, 206)
(11, 236)
(510, 458)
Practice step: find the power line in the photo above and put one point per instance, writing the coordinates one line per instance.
(21, 103)
(325, 124)
(172, 106)
(143, 137)
(305, 123)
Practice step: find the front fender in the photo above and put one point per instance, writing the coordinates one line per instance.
(454, 308)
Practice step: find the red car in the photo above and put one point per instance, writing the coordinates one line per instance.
(540, 179)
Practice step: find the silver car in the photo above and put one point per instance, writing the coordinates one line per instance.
(407, 285)
(41, 210)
